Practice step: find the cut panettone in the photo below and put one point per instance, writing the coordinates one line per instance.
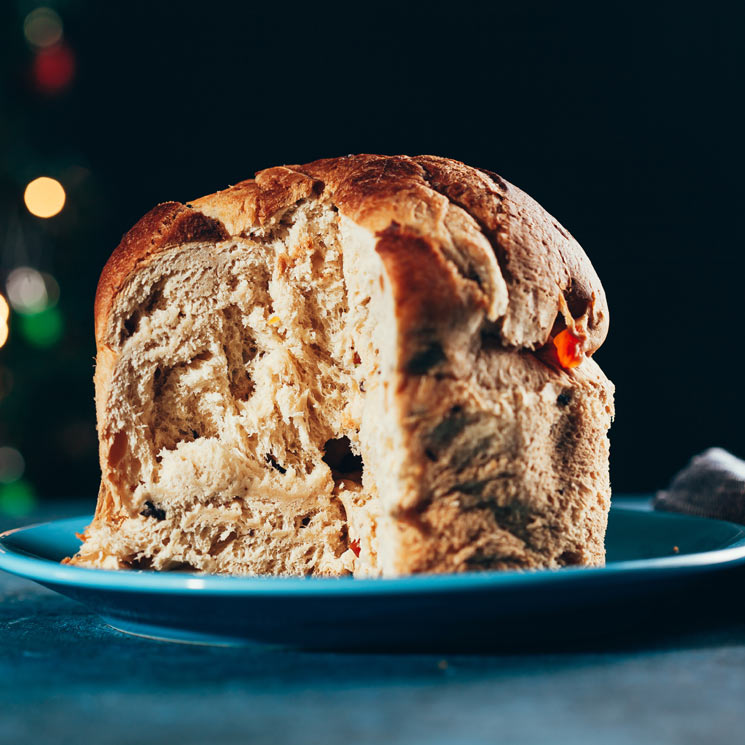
(368, 364)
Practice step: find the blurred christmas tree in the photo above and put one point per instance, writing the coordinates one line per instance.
(49, 214)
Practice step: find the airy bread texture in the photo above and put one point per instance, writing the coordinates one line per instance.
(346, 367)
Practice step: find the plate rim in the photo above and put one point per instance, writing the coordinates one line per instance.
(52, 573)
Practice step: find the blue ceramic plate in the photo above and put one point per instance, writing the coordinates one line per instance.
(653, 558)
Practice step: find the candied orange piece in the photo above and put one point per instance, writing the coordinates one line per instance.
(355, 546)
(568, 349)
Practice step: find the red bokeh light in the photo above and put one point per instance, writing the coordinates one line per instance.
(53, 69)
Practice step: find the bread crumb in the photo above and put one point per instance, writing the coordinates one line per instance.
(443, 665)
(676, 550)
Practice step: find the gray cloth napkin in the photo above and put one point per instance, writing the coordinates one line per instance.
(711, 485)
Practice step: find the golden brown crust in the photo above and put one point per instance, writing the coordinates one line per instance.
(544, 267)
(428, 295)
(539, 259)
(534, 251)
(257, 202)
(168, 224)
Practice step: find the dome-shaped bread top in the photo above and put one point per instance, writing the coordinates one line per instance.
(526, 270)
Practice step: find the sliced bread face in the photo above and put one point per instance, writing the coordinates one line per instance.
(342, 367)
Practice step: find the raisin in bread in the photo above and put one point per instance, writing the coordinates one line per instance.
(368, 364)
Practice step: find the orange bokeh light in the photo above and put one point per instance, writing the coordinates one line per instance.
(44, 197)
(4, 315)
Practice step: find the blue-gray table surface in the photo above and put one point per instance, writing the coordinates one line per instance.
(66, 677)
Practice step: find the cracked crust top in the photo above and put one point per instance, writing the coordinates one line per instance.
(453, 238)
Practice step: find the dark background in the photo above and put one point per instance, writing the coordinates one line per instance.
(622, 121)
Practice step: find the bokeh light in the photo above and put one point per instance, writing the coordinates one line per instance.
(52, 288)
(27, 290)
(53, 68)
(4, 316)
(42, 329)
(17, 499)
(44, 197)
(34, 295)
(42, 28)
(12, 465)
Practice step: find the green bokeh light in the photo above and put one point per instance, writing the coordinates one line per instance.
(17, 499)
(42, 329)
